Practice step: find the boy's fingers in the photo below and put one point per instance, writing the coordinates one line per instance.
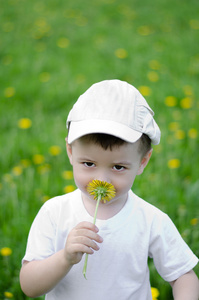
(87, 225)
(88, 234)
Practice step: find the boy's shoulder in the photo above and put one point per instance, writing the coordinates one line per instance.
(147, 214)
(59, 204)
(141, 204)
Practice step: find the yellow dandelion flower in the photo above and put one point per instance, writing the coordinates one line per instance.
(7, 178)
(145, 30)
(8, 295)
(24, 123)
(80, 78)
(69, 189)
(41, 22)
(194, 24)
(171, 101)
(40, 47)
(153, 76)
(9, 92)
(121, 53)
(7, 60)
(44, 77)
(193, 133)
(174, 163)
(67, 175)
(6, 251)
(186, 103)
(38, 159)
(63, 42)
(194, 221)
(45, 198)
(155, 293)
(145, 90)
(102, 191)
(180, 134)
(55, 150)
(43, 169)
(177, 115)
(25, 163)
(173, 126)
(154, 64)
(188, 90)
(17, 170)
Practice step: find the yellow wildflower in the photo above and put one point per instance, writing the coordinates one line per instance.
(9, 92)
(145, 90)
(170, 101)
(45, 198)
(186, 103)
(194, 221)
(8, 295)
(102, 191)
(173, 126)
(55, 150)
(145, 30)
(6, 251)
(38, 159)
(193, 133)
(43, 169)
(67, 175)
(7, 59)
(24, 123)
(25, 163)
(155, 293)
(63, 42)
(153, 76)
(188, 90)
(44, 77)
(174, 163)
(17, 171)
(154, 64)
(121, 53)
(180, 134)
(194, 24)
(69, 189)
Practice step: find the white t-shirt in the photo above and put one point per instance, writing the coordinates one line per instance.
(119, 269)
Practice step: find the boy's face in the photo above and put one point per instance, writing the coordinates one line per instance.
(118, 166)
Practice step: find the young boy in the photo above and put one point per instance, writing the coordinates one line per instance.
(110, 131)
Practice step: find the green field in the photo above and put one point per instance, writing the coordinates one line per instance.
(50, 53)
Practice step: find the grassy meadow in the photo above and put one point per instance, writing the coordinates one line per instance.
(50, 53)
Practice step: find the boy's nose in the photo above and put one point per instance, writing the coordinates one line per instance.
(103, 176)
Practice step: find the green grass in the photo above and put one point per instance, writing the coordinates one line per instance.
(50, 53)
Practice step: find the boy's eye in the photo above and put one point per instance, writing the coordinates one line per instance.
(118, 168)
(88, 164)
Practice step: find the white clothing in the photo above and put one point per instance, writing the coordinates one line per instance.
(119, 269)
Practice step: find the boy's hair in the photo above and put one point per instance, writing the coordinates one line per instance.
(107, 141)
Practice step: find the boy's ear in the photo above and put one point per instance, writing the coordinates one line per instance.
(69, 151)
(144, 162)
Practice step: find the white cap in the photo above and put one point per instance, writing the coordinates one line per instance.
(113, 107)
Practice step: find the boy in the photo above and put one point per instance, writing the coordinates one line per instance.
(110, 131)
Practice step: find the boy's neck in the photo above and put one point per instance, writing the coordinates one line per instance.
(105, 211)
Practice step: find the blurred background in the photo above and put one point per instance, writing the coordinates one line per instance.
(50, 53)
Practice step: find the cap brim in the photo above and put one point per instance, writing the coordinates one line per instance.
(81, 128)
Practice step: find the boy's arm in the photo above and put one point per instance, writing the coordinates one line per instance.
(40, 276)
(186, 287)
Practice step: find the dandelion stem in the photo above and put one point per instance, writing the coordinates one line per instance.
(94, 221)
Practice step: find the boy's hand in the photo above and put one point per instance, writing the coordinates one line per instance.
(82, 239)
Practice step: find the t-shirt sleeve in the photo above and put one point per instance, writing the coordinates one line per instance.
(171, 255)
(41, 237)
